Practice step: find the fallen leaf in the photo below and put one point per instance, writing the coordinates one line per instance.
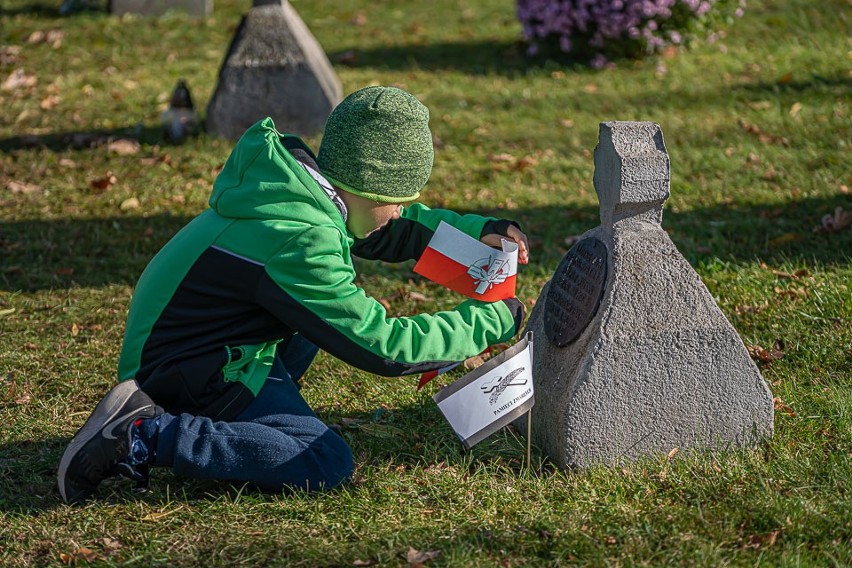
(82, 553)
(763, 136)
(9, 54)
(67, 163)
(75, 330)
(765, 356)
(18, 79)
(418, 557)
(358, 19)
(103, 183)
(477, 360)
(165, 159)
(836, 222)
(778, 404)
(22, 187)
(123, 147)
(784, 239)
(7, 311)
(129, 204)
(24, 398)
(364, 563)
(418, 297)
(567, 123)
(64, 271)
(49, 102)
(673, 453)
(795, 109)
(794, 276)
(756, 541)
(384, 302)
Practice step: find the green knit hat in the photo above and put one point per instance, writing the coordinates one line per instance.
(377, 144)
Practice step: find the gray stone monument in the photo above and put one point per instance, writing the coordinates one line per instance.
(275, 68)
(632, 355)
(195, 8)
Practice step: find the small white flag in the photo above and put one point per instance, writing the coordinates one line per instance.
(491, 396)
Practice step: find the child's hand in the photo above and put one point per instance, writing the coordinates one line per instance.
(513, 234)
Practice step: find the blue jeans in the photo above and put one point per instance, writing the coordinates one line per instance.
(276, 442)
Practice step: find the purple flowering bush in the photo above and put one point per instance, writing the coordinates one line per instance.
(598, 30)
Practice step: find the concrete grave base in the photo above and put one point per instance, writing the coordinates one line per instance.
(275, 68)
(658, 366)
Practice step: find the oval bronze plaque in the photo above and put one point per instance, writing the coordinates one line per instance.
(575, 291)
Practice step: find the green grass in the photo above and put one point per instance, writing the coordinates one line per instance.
(759, 133)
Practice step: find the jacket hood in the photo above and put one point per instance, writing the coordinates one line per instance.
(262, 180)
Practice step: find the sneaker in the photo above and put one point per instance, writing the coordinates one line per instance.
(104, 440)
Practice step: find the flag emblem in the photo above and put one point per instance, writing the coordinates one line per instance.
(462, 263)
(491, 396)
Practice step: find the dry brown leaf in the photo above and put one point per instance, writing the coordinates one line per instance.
(129, 204)
(794, 276)
(22, 187)
(477, 360)
(358, 19)
(836, 222)
(67, 163)
(502, 158)
(418, 557)
(103, 183)
(82, 553)
(18, 79)
(758, 540)
(75, 330)
(765, 356)
(49, 102)
(673, 453)
(418, 297)
(763, 136)
(364, 563)
(123, 147)
(165, 159)
(65, 271)
(778, 404)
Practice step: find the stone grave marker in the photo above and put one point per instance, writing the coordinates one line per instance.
(633, 357)
(274, 67)
(195, 8)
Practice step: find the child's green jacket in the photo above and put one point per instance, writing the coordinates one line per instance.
(272, 257)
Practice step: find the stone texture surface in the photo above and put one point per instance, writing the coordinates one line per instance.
(659, 366)
(275, 68)
(196, 8)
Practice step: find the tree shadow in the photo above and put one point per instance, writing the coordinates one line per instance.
(480, 57)
(28, 475)
(50, 254)
(83, 139)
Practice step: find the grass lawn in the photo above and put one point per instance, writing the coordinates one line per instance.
(758, 127)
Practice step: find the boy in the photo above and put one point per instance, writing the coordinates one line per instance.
(230, 313)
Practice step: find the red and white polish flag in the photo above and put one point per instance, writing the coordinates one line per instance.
(461, 263)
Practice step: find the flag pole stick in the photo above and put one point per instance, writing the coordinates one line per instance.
(529, 436)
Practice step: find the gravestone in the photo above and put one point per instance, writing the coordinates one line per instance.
(195, 8)
(634, 358)
(276, 68)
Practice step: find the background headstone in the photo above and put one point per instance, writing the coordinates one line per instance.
(275, 68)
(632, 356)
(196, 8)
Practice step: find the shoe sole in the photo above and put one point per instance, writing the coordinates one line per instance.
(109, 407)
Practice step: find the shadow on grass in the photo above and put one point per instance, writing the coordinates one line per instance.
(83, 139)
(58, 254)
(479, 57)
(28, 475)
